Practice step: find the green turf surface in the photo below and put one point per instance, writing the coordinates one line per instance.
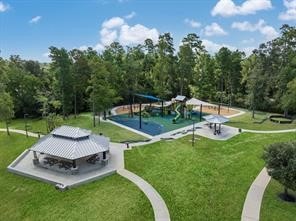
(245, 121)
(273, 208)
(206, 182)
(112, 198)
(116, 134)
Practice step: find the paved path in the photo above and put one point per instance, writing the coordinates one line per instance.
(161, 212)
(252, 205)
(269, 131)
(30, 134)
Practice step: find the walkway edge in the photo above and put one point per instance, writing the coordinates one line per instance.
(161, 212)
(252, 205)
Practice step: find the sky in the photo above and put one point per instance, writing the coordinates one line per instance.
(29, 27)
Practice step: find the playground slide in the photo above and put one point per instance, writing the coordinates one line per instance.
(178, 114)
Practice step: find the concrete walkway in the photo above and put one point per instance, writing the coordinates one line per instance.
(252, 205)
(30, 134)
(269, 131)
(161, 212)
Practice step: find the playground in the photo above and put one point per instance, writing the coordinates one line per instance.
(158, 116)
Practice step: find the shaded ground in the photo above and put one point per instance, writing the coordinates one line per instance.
(273, 208)
(209, 180)
(112, 198)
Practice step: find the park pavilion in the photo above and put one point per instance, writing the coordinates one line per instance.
(71, 149)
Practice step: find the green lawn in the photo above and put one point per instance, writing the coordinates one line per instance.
(112, 198)
(116, 134)
(206, 182)
(245, 121)
(274, 209)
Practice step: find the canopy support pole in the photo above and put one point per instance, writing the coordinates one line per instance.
(200, 112)
(140, 116)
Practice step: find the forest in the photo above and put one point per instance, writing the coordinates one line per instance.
(76, 81)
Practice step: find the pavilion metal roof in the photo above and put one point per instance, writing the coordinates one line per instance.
(216, 119)
(180, 98)
(61, 146)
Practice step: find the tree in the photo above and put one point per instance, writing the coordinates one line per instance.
(280, 160)
(62, 67)
(102, 94)
(6, 109)
(289, 99)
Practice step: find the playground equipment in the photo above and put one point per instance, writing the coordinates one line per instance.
(180, 109)
(177, 110)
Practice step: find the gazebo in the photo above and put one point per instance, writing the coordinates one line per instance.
(67, 148)
(216, 119)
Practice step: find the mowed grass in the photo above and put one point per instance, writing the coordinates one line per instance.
(206, 182)
(245, 121)
(111, 198)
(116, 134)
(275, 209)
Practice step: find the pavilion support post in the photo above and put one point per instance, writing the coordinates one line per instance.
(35, 160)
(140, 116)
(219, 128)
(219, 109)
(162, 108)
(200, 113)
(35, 155)
(215, 129)
(104, 155)
(74, 164)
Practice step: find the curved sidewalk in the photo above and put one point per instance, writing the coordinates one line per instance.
(268, 131)
(252, 205)
(161, 212)
(30, 134)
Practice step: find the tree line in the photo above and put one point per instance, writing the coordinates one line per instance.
(76, 81)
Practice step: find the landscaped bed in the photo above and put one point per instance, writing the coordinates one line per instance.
(261, 122)
(116, 134)
(111, 198)
(275, 209)
(208, 181)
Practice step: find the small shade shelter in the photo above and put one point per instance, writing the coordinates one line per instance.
(68, 145)
(197, 102)
(216, 119)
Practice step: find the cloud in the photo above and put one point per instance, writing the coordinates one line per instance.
(192, 23)
(46, 54)
(290, 13)
(267, 31)
(35, 19)
(136, 34)
(214, 29)
(213, 47)
(113, 23)
(130, 15)
(4, 7)
(248, 41)
(116, 29)
(227, 8)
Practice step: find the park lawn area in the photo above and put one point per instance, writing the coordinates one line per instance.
(111, 198)
(116, 134)
(273, 208)
(245, 121)
(208, 181)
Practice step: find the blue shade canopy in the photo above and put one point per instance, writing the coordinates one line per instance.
(150, 97)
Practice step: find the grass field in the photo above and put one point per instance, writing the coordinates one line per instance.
(112, 198)
(261, 122)
(116, 134)
(205, 182)
(274, 209)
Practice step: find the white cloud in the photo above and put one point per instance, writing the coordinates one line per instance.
(192, 23)
(290, 13)
(116, 29)
(108, 36)
(266, 30)
(136, 34)
(213, 47)
(46, 54)
(227, 8)
(214, 29)
(130, 15)
(248, 41)
(35, 19)
(113, 23)
(3, 7)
